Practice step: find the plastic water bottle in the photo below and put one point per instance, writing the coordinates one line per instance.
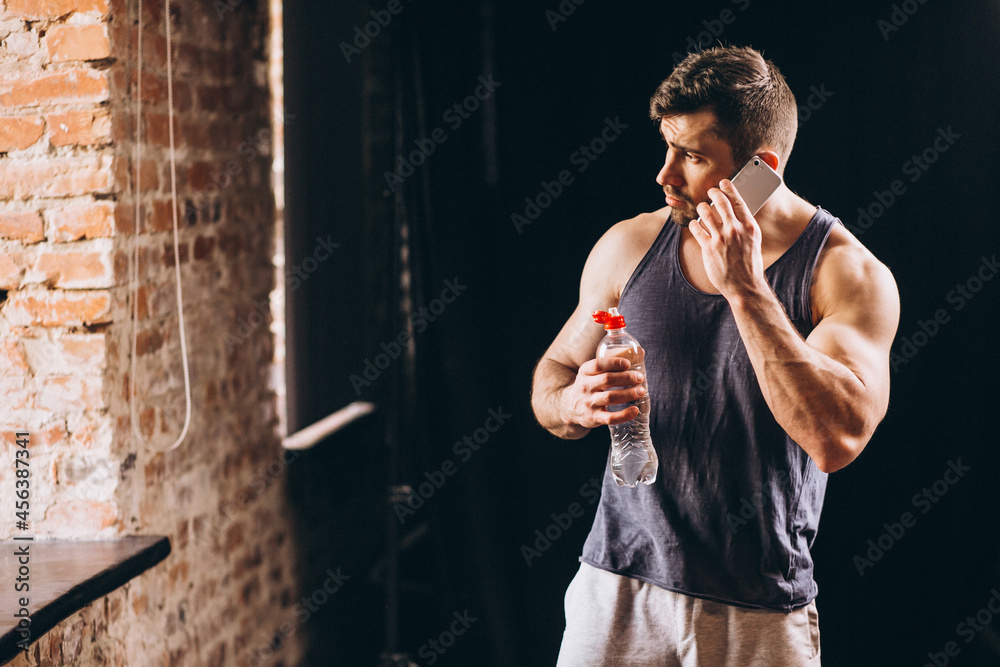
(633, 458)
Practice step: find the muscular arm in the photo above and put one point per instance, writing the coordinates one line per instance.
(570, 387)
(829, 391)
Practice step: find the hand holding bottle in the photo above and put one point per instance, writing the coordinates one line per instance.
(601, 383)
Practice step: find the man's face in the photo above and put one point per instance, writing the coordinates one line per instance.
(697, 159)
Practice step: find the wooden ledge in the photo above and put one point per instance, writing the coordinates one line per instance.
(63, 577)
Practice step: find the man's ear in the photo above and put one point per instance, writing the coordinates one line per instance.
(769, 157)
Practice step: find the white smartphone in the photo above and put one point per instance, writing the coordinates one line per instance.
(756, 182)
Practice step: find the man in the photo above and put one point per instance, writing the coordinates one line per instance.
(767, 343)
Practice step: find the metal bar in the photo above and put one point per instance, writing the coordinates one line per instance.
(313, 433)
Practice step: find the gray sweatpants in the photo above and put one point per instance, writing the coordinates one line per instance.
(616, 620)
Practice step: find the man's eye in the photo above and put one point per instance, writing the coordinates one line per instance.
(693, 158)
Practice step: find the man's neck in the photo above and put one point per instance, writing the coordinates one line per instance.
(782, 219)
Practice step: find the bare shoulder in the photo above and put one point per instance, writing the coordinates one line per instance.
(618, 252)
(848, 277)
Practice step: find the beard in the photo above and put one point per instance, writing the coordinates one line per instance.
(682, 215)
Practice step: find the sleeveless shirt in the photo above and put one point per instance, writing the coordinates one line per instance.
(736, 502)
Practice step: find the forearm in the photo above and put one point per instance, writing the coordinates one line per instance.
(820, 403)
(551, 379)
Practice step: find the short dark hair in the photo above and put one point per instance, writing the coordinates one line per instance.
(749, 96)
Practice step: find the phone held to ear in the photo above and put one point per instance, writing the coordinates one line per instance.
(755, 182)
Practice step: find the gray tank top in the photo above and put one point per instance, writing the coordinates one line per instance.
(736, 502)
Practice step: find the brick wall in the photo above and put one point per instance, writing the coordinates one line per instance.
(67, 196)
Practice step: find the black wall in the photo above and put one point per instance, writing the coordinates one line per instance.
(885, 97)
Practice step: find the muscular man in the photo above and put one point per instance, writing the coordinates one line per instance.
(767, 343)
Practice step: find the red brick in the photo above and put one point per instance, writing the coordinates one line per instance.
(16, 396)
(181, 534)
(230, 245)
(78, 269)
(11, 270)
(77, 42)
(139, 604)
(56, 177)
(23, 226)
(69, 354)
(91, 220)
(179, 572)
(141, 302)
(58, 307)
(22, 44)
(199, 174)
(115, 606)
(65, 392)
(75, 85)
(154, 88)
(154, 51)
(203, 246)
(149, 178)
(53, 9)
(79, 128)
(162, 215)
(155, 470)
(157, 130)
(49, 435)
(147, 420)
(90, 433)
(168, 253)
(19, 132)
(81, 517)
(148, 341)
(12, 359)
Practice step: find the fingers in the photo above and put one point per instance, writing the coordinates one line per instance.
(607, 382)
(627, 379)
(619, 396)
(708, 224)
(606, 365)
(626, 415)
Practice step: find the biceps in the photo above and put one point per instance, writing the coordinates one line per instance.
(577, 341)
(864, 354)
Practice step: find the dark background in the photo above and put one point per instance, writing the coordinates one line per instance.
(463, 548)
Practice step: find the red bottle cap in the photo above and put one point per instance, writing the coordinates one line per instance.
(610, 320)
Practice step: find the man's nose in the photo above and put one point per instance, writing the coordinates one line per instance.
(669, 174)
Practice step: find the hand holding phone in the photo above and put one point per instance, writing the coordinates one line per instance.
(755, 182)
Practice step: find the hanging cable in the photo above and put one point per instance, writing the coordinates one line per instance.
(134, 286)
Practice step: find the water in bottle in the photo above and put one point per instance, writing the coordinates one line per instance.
(633, 458)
